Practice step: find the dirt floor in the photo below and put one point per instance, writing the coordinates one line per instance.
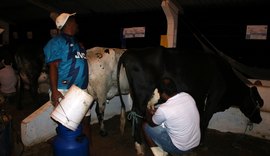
(218, 144)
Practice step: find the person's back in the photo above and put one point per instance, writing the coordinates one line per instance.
(181, 120)
(71, 58)
(8, 78)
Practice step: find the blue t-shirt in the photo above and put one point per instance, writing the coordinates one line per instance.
(73, 67)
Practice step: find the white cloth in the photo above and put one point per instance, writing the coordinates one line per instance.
(8, 80)
(181, 119)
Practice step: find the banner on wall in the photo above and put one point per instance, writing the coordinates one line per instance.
(256, 32)
(134, 32)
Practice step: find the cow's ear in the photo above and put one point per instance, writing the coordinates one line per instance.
(107, 51)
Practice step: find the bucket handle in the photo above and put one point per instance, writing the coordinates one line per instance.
(64, 112)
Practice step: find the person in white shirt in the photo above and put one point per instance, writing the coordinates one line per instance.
(8, 79)
(174, 127)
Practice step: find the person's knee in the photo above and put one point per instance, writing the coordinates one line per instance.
(144, 125)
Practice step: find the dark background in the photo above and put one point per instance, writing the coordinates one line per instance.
(222, 27)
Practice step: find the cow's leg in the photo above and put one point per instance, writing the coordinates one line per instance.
(122, 119)
(138, 133)
(100, 108)
(211, 105)
(207, 115)
(139, 146)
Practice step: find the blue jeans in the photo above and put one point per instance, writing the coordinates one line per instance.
(160, 136)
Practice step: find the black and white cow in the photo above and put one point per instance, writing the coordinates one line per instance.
(208, 78)
(102, 86)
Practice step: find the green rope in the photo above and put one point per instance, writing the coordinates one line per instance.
(134, 117)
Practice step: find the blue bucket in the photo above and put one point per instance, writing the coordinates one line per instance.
(70, 143)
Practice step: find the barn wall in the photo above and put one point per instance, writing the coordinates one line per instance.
(233, 120)
(105, 30)
(40, 31)
(100, 30)
(224, 28)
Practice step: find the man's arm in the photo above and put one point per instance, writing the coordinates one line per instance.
(53, 74)
(149, 114)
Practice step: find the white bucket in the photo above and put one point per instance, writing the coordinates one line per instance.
(72, 108)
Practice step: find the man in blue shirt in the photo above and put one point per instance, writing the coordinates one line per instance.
(66, 58)
(67, 63)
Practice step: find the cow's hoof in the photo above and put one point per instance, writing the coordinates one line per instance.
(103, 133)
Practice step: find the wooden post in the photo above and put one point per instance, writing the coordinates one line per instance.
(171, 12)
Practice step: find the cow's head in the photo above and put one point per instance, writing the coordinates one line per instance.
(252, 104)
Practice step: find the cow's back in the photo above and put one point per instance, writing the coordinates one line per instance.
(102, 63)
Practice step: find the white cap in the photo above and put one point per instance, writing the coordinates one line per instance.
(62, 19)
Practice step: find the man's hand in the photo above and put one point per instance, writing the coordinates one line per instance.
(56, 97)
(151, 111)
(148, 115)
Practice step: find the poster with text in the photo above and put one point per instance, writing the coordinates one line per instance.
(256, 32)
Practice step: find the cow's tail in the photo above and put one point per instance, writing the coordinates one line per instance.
(123, 106)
